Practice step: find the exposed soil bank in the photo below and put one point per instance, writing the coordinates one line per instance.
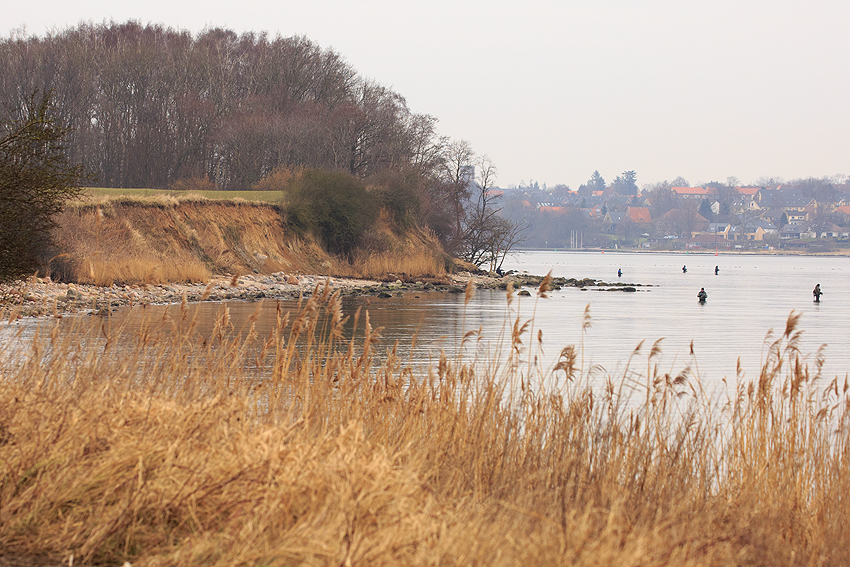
(160, 240)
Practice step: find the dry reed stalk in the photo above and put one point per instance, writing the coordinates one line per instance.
(171, 447)
(415, 264)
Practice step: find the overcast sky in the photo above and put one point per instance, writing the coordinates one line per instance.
(553, 90)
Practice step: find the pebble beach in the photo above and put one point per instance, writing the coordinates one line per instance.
(41, 297)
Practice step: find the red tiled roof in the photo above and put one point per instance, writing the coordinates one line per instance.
(552, 210)
(694, 190)
(747, 190)
(640, 215)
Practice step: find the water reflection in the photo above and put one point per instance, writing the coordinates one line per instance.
(420, 326)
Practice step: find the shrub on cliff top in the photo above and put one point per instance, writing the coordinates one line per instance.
(279, 179)
(334, 206)
(194, 184)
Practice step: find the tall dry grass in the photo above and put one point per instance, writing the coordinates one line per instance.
(417, 264)
(97, 246)
(307, 447)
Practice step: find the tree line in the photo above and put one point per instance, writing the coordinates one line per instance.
(149, 105)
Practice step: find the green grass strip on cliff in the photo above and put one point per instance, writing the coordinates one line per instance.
(259, 196)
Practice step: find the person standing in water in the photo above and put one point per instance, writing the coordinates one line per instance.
(702, 296)
(716, 270)
(817, 293)
(684, 269)
(619, 273)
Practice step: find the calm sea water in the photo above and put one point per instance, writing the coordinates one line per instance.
(751, 296)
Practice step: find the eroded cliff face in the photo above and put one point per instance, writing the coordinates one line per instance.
(153, 242)
(159, 240)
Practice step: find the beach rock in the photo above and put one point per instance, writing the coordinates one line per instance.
(73, 294)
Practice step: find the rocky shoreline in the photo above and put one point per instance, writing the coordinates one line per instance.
(41, 297)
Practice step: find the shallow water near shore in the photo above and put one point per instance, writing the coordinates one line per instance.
(751, 295)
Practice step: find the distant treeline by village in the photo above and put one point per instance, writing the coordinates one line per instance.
(811, 214)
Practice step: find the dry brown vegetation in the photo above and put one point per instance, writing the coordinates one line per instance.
(305, 447)
(165, 239)
(279, 179)
(384, 265)
(389, 253)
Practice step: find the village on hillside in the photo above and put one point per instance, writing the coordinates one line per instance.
(809, 217)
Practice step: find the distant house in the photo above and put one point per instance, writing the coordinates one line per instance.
(767, 226)
(694, 193)
(639, 215)
(612, 219)
(799, 208)
(719, 228)
(824, 230)
(684, 222)
(572, 199)
(594, 212)
(769, 197)
(545, 208)
(774, 216)
(743, 233)
(747, 198)
(795, 231)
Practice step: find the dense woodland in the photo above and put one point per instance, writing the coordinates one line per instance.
(150, 105)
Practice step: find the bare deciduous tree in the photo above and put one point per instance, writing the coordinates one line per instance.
(487, 237)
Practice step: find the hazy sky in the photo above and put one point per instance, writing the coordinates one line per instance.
(553, 90)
